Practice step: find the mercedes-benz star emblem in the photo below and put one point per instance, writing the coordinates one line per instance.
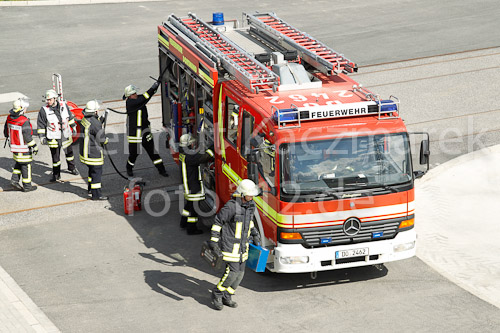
(352, 226)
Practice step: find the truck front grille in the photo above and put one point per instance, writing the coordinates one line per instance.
(370, 231)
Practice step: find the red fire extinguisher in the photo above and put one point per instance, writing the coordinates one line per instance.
(132, 198)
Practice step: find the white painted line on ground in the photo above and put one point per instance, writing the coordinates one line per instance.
(9, 97)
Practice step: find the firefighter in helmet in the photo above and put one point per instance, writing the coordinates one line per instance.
(18, 130)
(190, 160)
(91, 148)
(231, 232)
(56, 125)
(139, 130)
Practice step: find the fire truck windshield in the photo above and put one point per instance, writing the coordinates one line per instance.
(345, 164)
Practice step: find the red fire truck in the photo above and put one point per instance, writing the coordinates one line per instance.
(332, 158)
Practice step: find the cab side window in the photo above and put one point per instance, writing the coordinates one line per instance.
(267, 161)
(246, 133)
(231, 121)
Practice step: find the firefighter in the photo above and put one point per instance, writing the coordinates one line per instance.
(19, 131)
(56, 125)
(139, 130)
(231, 232)
(190, 160)
(91, 148)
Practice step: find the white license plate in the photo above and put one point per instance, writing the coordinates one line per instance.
(351, 253)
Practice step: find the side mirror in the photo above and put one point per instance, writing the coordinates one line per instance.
(424, 152)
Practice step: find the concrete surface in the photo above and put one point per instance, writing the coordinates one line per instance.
(457, 222)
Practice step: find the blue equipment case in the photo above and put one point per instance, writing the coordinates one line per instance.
(257, 258)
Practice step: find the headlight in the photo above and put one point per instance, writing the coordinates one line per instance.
(294, 260)
(404, 247)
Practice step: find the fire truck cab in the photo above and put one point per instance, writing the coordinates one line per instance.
(332, 158)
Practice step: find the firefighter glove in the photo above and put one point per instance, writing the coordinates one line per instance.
(214, 246)
(256, 240)
(155, 85)
(43, 141)
(35, 149)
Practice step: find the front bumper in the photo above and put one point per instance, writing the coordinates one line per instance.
(291, 258)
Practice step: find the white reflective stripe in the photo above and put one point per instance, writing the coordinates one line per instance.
(134, 139)
(95, 186)
(56, 164)
(132, 164)
(31, 143)
(185, 213)
(210, 152)
(230, 290)
(214, 239)
(70, 158)
(40, 130)
(158, 161)
(237, 232)
(193, 198)
(16, 172)
(192, 219)
(28, 180)
(139, 117)
(145, 95)
(182, 159)
(90, 179)
(138, 133)
(216, 227)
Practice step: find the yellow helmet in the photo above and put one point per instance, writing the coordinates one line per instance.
(20, 105)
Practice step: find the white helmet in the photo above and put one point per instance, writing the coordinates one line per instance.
(129, 91)
(51, 93)
(92, 106)
(20, 105)
(186, 140)
(247, 188)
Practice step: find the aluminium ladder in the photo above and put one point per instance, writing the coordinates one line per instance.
(243, 66)
(311, 50)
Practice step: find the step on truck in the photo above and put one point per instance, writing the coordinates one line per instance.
(332, 158)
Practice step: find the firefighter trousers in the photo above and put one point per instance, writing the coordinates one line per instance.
(189, 216)
(148, 144)
(24, 170)
(94, 181)
(56, 159)
(230, 280)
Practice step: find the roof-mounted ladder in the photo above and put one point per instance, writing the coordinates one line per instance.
(244, 67)
(311, 50)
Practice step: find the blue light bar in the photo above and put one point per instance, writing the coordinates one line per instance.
(387, 105)
(285, 115)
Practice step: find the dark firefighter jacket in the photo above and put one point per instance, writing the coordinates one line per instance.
(15, 118)
(137, 116)
(191, 172)
(92, 140)
(232, 229)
